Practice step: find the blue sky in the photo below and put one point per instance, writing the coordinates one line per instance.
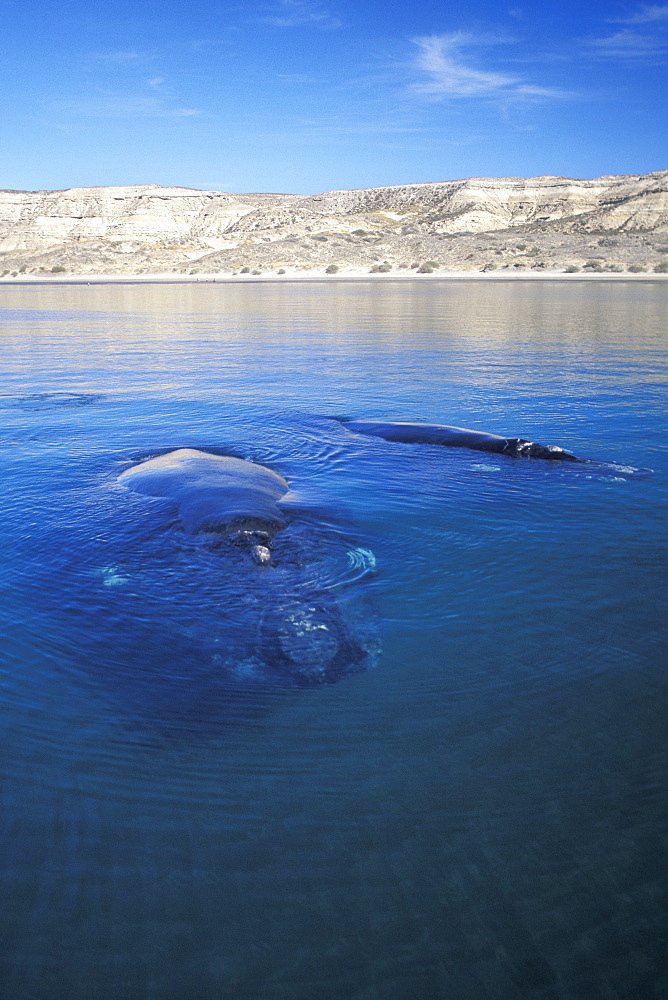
(309, 95)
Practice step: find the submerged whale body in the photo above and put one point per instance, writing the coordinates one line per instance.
(275, 624)
(458, 437)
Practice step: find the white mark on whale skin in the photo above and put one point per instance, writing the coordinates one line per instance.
(362, 559)
(623, 468)
(111, 577)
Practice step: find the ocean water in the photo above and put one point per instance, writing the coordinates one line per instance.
(477, 809)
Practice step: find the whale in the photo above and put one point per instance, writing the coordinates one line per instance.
(216, 493)
(274, 623)
(458, 437)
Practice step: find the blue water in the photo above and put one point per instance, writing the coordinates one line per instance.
(477, 814)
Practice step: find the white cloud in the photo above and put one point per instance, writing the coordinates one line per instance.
(120, 58)
(628, 44)
(300, 13)
(448, 73)
(121, 106)
(646, 14)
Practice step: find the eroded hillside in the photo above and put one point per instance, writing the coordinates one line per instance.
(614, 222)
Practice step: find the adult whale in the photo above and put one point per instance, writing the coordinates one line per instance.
(285, 626)
(458, 437)
(231, 496)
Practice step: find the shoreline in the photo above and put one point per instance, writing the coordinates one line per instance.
(355, 275)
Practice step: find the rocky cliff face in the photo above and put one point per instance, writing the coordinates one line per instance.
(150, 228)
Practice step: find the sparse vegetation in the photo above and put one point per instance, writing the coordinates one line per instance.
(332, 269)
(380, 268)
(57, 269)
(661, 268)
(283, 236)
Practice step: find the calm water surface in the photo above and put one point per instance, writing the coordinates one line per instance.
(482, 814)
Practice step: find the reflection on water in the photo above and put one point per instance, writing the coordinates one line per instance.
(483, 814)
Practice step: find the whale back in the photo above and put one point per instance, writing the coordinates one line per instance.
(408, 433)
(213, 492)
(458, 437)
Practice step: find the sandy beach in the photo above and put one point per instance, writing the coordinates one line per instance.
(352, 274)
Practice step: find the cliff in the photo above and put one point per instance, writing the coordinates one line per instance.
(151, 228)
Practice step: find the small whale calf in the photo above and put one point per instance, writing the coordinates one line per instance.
(458, 437)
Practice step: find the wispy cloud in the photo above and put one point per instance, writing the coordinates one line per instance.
(646, 14)
(117, 57)
(448, 71)
(299, 14)
(118, 106)
(631, 44)
(628, 44)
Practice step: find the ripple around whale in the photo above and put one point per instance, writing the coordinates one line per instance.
(46, 400)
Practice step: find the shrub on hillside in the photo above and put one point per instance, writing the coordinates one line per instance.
(661, 268)
(332, 269)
